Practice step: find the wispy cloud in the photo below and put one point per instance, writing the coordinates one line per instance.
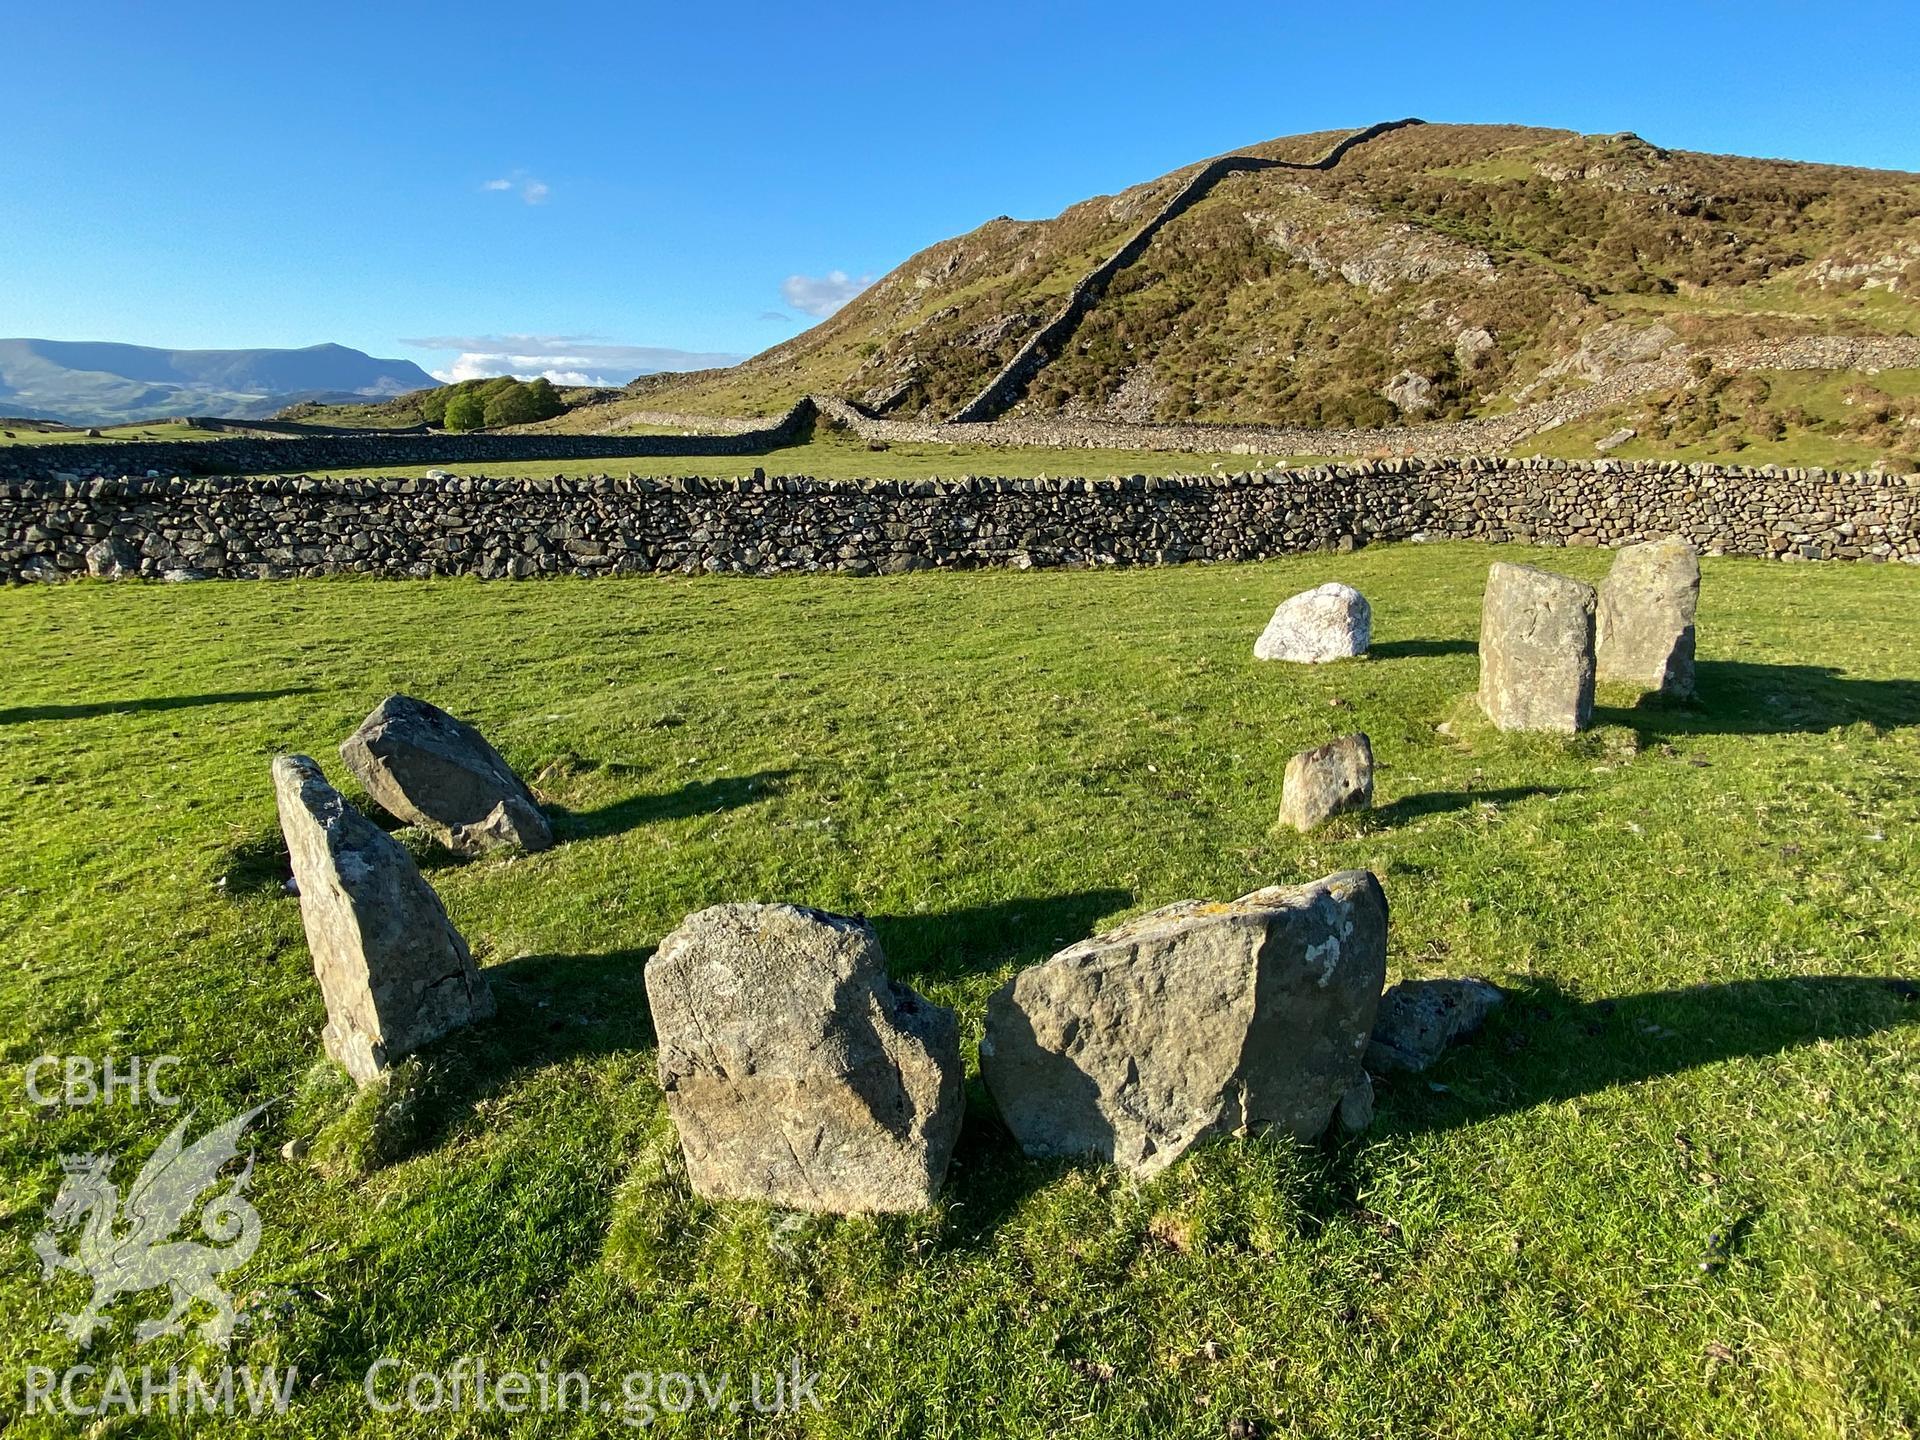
(777, 317)
(533, 191)
(821, 295)
(563, 359)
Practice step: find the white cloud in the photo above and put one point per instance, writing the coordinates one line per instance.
(563, 359)
(821, 295)
(531, 190)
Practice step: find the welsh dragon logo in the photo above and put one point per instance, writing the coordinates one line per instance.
(126, 1247)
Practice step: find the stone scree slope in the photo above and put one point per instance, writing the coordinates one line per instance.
(497, 528)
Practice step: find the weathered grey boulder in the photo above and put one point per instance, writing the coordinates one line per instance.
(796, 1072)
(1536, 650)
(1644, 632)
(1418, 1019)
(394, 972)
(1198, 1019)
(429, 769)
(1324, 782)
(1329, 622)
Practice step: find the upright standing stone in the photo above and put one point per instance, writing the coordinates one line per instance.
(1536, 650)
(796, 1071)
(394, 972)
(1198, 1019)
(1324, 782)
(1329, 622)
(1645, 628)
(427, 768)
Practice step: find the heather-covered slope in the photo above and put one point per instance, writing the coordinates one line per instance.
(1435, 271)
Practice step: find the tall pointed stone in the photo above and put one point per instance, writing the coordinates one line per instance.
(394, 972)
(1536, 650)
(1645, 629)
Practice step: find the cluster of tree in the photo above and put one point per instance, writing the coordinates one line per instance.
(471, 404)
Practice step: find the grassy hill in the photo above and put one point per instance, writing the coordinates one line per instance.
(1489, 263)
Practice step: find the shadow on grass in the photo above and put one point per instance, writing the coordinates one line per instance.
(696, 797)
(1739, 697)
(1439, 802)
(1541, 1047)
(1420, 649)
(954, 944)
(548, 1009)
(91, 709)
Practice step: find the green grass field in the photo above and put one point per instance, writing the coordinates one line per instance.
(832, 455)
(20, 434)
(1670, 1191)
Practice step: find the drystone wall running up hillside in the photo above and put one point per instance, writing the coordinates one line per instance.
(187, 529)
(1011, 383)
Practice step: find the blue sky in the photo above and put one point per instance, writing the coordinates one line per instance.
(583, 185)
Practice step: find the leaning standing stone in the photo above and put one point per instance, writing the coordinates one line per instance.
(394, 972)
(1198, 1019)
(1330, 622)
(1645, 627)
(429, 769)
(796, 1071)
(1536, 650)
(1323, 782)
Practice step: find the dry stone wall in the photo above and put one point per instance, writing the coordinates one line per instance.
(493, 527)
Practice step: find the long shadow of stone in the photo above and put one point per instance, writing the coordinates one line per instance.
(954, 944)
(1541, 1047)
(548, 1009)
(1420, 649)
(1739, 697)
(91, 709)
(696, 797)
(1439, 802)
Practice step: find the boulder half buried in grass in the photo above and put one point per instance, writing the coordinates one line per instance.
(1195, 1020)
(427, 768)
(1419, 1019)
(394, 972)
(797, 1073)
(1326, 781)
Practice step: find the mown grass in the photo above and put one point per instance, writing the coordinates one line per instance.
(1670, 1191)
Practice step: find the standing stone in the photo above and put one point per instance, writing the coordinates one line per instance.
(1645, 626)
(1198, 1019)
(1418, 1019)
(394, 972)
(427, 768)
(1320, 783)
(1329, 622)
(1536, 650)
(796, 1071)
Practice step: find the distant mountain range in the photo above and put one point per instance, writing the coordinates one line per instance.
(97, 382)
